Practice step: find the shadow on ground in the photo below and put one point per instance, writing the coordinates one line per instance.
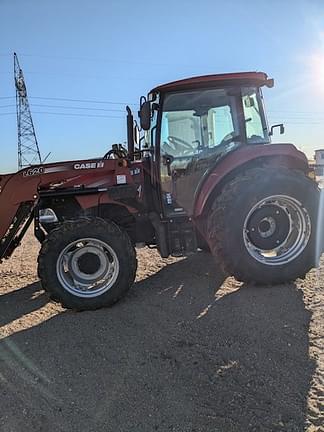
(21, 302)
(149, 364)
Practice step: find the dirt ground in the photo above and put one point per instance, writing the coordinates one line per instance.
(186, 351)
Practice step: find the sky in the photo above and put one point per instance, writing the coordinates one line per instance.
(83, 61)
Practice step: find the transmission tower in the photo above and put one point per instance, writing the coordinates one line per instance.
(28, 150)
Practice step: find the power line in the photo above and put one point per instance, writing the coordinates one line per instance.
(318, 115)
(295, 112)
(77, 108)
(303, 119)
(106, 60)
(121, 117)
(76, 115)
(94, 101)
(84, 76)
(290, 121)
(314, 117)
(68, 114)
(68, 107)
(84, 100)
(7, 106)
(301, 123)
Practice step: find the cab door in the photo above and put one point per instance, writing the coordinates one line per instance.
(196, 127)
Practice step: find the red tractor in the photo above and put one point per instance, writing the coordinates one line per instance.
(203, 175)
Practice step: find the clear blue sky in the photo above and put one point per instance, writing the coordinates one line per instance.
(117, 50)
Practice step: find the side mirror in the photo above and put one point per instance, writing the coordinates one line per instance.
(145, 115)
(280, 126)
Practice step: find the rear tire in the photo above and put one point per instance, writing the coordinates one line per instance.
(262, 227)
(87, 264)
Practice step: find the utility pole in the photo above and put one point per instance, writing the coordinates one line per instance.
(28, 150)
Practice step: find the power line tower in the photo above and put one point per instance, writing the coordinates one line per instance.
(28, 150)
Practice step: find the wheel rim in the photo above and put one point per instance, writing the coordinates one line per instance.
(87, 267)
(277, 230)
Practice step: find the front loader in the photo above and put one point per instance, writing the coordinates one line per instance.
(203, 175)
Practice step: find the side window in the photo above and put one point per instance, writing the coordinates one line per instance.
(254, 127)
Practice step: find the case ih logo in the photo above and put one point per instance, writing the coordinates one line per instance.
(88, 165)
(33, 171)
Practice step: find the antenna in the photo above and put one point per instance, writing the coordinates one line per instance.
(28, 150)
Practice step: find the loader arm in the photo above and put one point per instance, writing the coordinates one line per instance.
(91, 182)
(17, 201)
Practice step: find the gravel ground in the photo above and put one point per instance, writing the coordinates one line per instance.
(187, 350)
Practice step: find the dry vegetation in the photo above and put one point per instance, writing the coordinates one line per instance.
(185, 351)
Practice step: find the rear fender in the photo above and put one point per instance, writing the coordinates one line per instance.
(241, 159)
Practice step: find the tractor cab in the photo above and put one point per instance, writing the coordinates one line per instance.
(193, 123)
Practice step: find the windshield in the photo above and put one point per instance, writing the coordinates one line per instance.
(198, 121)
(204, 122)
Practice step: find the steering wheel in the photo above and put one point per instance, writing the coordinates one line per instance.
(177, 146)
(228, 139)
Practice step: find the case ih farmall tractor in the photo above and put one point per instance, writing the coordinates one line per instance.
(203, 175)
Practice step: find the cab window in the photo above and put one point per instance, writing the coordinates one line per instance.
(256, 129)
(198, 123)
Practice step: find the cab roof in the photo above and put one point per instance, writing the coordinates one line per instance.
(219, 80)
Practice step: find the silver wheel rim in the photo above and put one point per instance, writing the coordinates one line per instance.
(277, 230)
(87, 267)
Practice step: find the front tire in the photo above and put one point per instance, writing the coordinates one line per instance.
(87, 264)
(262, 227)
